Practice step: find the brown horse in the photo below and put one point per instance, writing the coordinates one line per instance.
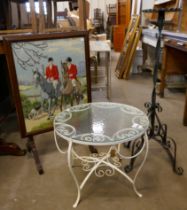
(70, 93)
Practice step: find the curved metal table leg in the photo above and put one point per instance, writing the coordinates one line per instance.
(73, 174)
(98, 162)
(139, 169)
(146, 152)
(80, 187)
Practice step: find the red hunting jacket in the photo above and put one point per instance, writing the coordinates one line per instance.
(52, 73)
(72, 71)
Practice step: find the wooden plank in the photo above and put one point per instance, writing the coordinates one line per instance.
(118, 37)
(123, 12)
(49, 14)
(131, 54)
(169, 16)
(19, 14)
(55, 13)
(177, 61)
(185, 111)
(6, 6)
(184, 17)
(33, 16)
(15, 31)
(173, 44)
(173, 63)
(9, 14)
(65, 29)
(2, 50)
(82, 14)
(41, 17)
(127, 46)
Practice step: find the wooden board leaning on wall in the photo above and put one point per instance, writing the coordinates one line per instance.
(126, 56)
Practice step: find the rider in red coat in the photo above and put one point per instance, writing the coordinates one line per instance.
(51, 70)
(52, 74)
(72, 70)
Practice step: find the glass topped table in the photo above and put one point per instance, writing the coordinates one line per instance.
(101, 124)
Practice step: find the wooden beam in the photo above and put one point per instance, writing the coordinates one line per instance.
(2, 50)
(19, 14)
(185, 111)
(33, 16)
(41, 17)
(6, 5)
(49, 14)
(15, 31)
(9, 13)
(82, 14)
(55, 13)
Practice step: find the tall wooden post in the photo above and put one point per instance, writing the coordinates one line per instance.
(33, 16)
(82, 14)
(49, 13)
(41, 16)
(7, 13)
(55, 12)
(19, 14)
(185, 112)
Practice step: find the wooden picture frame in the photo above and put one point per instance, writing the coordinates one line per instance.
(48, 73)
(130, 56)
(127, 46)
(132, 27)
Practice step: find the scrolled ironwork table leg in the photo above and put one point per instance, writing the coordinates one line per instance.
(73, 174)
(143, 162)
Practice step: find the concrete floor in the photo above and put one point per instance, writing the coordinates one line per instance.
(21, 188)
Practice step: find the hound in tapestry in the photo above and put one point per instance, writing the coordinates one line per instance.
(35, 112)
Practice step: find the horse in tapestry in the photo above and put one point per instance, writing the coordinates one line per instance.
(70, 93)
(48, 92)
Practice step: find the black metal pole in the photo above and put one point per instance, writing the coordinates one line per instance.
(160, 22)
(157, 130)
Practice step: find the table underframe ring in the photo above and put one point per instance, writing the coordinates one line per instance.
(102, 160)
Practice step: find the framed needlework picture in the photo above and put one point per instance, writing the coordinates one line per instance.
(48, 73)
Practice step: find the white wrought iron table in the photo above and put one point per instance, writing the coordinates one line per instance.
(101, 124)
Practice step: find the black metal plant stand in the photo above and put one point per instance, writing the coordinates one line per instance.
(157, 131)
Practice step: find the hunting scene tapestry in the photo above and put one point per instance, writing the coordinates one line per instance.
(51, 76)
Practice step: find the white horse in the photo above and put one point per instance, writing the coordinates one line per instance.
(48, 92)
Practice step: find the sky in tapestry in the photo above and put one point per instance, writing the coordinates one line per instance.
(29, 56)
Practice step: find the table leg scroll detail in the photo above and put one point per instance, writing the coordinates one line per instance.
(145, 156)
(57, 145)
(100, 171)
(80, 187)
(132, 181)
(95, 163)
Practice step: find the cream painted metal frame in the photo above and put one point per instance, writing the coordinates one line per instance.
(110, 160)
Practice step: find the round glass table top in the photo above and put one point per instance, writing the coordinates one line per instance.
(102, 123)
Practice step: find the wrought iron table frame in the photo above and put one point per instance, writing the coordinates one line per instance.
(94, 163)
